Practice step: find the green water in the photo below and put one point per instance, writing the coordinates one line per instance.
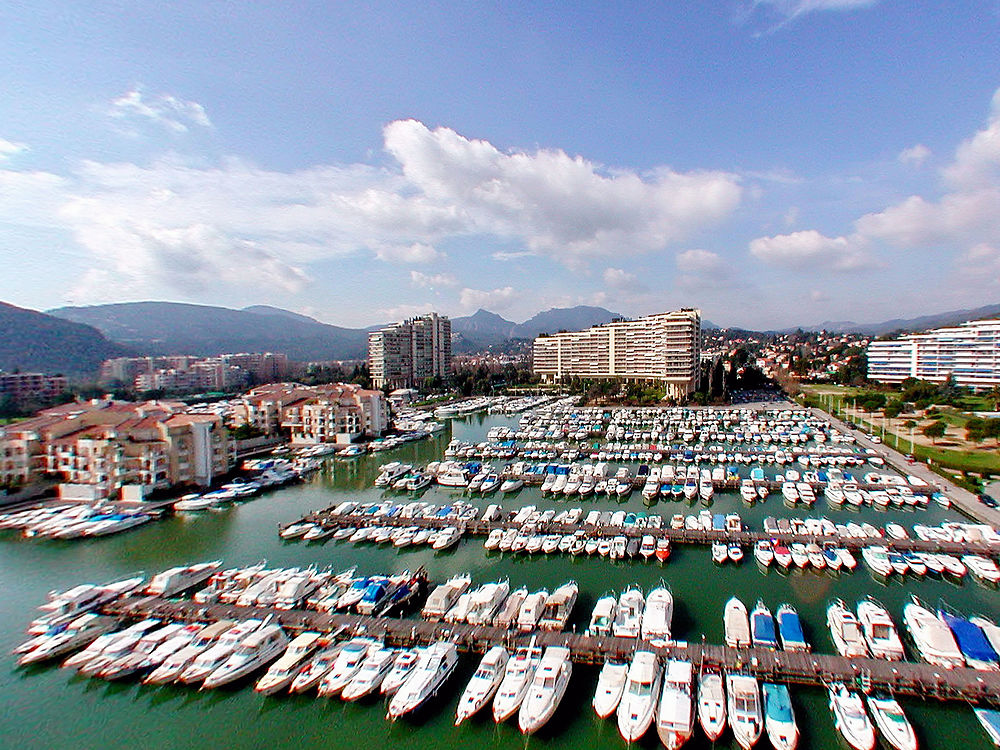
(48, 707)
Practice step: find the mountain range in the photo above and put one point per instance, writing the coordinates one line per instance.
(74, 340)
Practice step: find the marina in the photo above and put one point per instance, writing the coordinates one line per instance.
(245, 534)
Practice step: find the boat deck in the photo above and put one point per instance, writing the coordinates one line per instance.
(906, 678)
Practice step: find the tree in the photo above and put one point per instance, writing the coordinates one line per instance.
(934, 430)
(975, 430)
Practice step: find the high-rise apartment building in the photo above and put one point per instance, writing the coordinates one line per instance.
(663, 348)
(403, 354)
(969, 353)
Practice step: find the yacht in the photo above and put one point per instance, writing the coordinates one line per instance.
(517, 678)
(175, 580)
(892, 722)
(486, 601)
(548, 686)
(638, 703)
(216, 655)
(628, 618)
(310, 674)
(177, 662)
(603, 616)
(258, 649)
(558, 607)
(845, 630)
(371, 675)
(675, 712)
(78, 632)
(610, 685)
(779, 718)
(507, 615)
(850, 718)
(443, 597)
(435, 665)
(972, 642)
(349, 662)
(484, 683)
(879, 631)
(934, 641)
(989, 718)
(737, 624)
(711, 704)
(104, 643)
(402, 666)
(745, 715)
(656, 618)
(790, 629)
(531, 610)
(283, 671)
(138, 657)
(762, 630)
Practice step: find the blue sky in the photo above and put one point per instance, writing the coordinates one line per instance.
(774, 162)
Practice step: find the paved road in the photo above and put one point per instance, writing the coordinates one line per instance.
(964, 500)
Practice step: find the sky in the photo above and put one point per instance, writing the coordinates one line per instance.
(772, 162)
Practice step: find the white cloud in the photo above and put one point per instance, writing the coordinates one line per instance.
(10, 148)
(914, 156)
(430, 281)
(505, 256)
(810, 249)
(562, 206)
(795, 8)
(977, 160)
(980, 265)
(497, 299)
(699, 261)
(175, 114)
(402, 312)
(417, 252)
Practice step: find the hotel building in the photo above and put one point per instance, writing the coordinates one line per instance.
(969, 353)
(403, 354)
(663, 348)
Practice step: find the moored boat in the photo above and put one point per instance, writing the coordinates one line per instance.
(745, 716)
(675, 711)
(892, 722)
(737, 624)
(638, 703)
(850, 718)
(711, 704)
(548, 686)
(779, 717)
(610, 684)
(483, 685)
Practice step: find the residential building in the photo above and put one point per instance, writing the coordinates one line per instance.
(98, 447)
(404, 354)
(336, 413)
(663, 348)
(969, 353)
(31, 387)
(184, 374)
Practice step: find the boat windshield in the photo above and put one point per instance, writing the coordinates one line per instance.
(640, 689)
(880, 631)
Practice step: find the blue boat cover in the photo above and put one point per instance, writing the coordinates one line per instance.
(791, 628)
(763, 629)
(971, 638)
(777, 702)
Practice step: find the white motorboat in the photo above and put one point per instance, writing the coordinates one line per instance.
(104, 642)
(628, 618)
(711, 704)
(310, 675)
(446, 538)
(517, 678)
(175, 580)
(531, 610)
(349, 662)
(282, 672)
(548, 686)
(892, 722)
(603, 616)
(559, 606)
(507, 615)
(610, 685)
(845, 630)
(779, 718)
(76, 634)
(216, 655)
(137, 658)
(642, 689)
(737, 624)
(257, 650)
(850, 718)
(371, 675)
(675, 712)
(402, 666)
(745, 716)
(933, 639)
(486, 601)
(484, 683)
(657, 616)
(176, 663)
(435, 665)
(443, 598)
(879, 631)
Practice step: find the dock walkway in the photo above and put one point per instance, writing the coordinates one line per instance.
(906, 678)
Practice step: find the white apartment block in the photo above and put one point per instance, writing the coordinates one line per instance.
(663, 348)
(970, 353)
(336, 413)
(403, 354)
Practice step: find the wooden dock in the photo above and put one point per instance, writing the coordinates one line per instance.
(747, 538)
(905, 678)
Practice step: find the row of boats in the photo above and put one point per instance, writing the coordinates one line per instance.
(454, 601)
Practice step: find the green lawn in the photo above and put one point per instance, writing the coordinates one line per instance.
(980, 463)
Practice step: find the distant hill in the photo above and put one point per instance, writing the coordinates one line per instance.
(279, 313)
(484, 328)
(203, 330)
(922, 323)
(36, 342)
